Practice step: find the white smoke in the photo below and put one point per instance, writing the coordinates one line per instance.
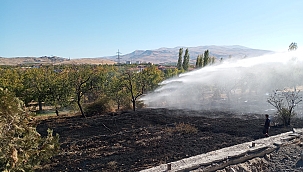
(233, 85)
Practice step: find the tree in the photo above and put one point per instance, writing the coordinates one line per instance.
(197, 61)
(81, 78)
(292, 46)
(135, 85)
(179, 65)
(38, 83)
(116, 91)
(152, 76)
(186, 60)
(22, 147)
(60, 90)
(12, 79)
(285, 102)
(206, 58)
(170, 72)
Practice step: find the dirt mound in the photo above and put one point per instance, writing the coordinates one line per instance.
(133, 141)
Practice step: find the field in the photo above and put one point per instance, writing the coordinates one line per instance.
(133, 141)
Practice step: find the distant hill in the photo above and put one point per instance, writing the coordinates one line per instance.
(51, 60)
(157, 56)
(170, 55)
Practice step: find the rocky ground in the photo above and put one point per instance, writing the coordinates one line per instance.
(133, 141)
(287, 157)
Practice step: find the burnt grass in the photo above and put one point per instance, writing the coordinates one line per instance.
(133, 141)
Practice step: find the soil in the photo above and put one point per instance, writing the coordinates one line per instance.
(133, 141)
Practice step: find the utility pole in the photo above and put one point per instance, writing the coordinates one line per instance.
(119, 57)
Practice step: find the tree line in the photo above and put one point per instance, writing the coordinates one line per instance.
(201, 61)
(67, 85)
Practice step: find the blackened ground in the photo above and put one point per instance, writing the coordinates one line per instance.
(133, 141)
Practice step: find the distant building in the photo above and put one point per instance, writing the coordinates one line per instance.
(128, 62)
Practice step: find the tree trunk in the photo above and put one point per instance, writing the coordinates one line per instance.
(79, 105)
(81, 110)
(134, 105)
(40, 105)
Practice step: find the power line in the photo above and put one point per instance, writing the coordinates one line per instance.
(119, 57)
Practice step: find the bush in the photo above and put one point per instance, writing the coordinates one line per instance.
(285, 102)
(182, 128)
(22, 147)
(285, 115)
(97, 107)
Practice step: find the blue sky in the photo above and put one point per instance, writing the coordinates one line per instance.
(98, 28)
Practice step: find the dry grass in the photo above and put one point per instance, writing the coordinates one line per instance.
(182, 128)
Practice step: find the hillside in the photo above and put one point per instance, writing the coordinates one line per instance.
(51, 60)
(157, 56)
(170, 55)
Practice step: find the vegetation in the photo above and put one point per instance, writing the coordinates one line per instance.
(204, 60)
(22, 147)
(179, 64)
(182, 128)
(67, 86)
(292, 46)
(185, 64)
(285, 102)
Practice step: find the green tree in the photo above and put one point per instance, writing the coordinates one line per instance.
(117, 92)
(135, 85)
(60, 90)
(37, 82)
(197, 61)
(206, 58)
(186, 60)
(12, 79)
(81, 79)
(179, 65)
(22, 147)
(170, 72)
(292, 46)
(152, 76)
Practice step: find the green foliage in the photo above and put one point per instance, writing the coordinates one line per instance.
(185, 64)
(285, 116)
(206, 58)
(76, 85)
(97, 107)
(135, 85)
(12, 79)
(170, 73)
(199, 61)
(22, 147)
(179, 64)
(152, 76)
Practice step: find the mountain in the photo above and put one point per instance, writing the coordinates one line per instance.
(170, 55)
(157, 56)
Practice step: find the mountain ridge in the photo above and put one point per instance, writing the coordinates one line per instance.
(161, 55)
(170, 55)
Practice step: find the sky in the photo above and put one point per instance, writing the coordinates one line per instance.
(98, 28)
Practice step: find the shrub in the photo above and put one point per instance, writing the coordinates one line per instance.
(97, 107)
(182, 128)
(285, 102)
(21, 146)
